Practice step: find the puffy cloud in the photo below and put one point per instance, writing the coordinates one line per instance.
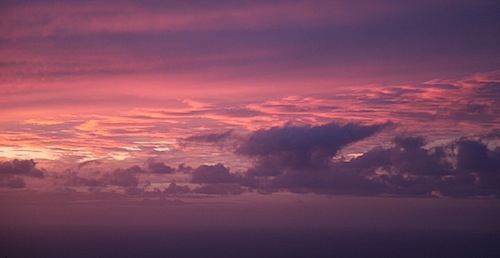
(304, 147)
(211, 174)
(175, 189)
(407, 157)
(125, 177)
(21, 167)
(12, 172)
(463, 168)
(118, 177)
(474, 156)
(158, 167)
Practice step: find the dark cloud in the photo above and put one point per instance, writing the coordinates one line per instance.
(474, 156)
(409, 156)
(212, 174)
(303, 147)
(464, 168)
(125, 177)
(12, 172)
(183, 168)
(175, 189)
(158, 167)
(21, 167)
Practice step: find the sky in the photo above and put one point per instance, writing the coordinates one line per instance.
(256, 104)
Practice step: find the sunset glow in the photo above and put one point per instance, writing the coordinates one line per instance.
(248, 102)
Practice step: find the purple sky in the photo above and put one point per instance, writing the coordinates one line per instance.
(162, 103)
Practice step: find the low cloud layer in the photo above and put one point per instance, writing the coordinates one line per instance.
(302, 159)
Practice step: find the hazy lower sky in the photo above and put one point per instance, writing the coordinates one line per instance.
(173, 101)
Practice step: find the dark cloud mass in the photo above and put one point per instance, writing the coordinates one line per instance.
(462, 168)
(304, 147)
(11, 172)
(20, 167)
(159, 168)
(175, 189)
(212, 174)
(125, 177)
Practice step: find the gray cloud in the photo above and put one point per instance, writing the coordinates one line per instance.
(125, 177)
(12, 172)
(303, 147)
(21, 167)
(464, 168)
(175, 189)
(212, 174)
(158, 167)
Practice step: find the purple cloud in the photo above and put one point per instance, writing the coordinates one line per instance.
(304, 147)
(212, 174)
(21, 167)
(158, 167)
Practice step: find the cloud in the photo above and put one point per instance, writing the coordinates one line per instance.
(463, 168)
(407, 156)
(158, 167)
(118, 177)
(299, 159)
(212, 174)
(125, 177)
(12, 172)
(89, 162)
(475, 156)
(175, 189)
(21, 168)
(304, 147)
(210, 138)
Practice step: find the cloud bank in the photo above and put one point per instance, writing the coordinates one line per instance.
(303, 159)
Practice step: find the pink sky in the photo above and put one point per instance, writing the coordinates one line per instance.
(139, 128)
(124, 83)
